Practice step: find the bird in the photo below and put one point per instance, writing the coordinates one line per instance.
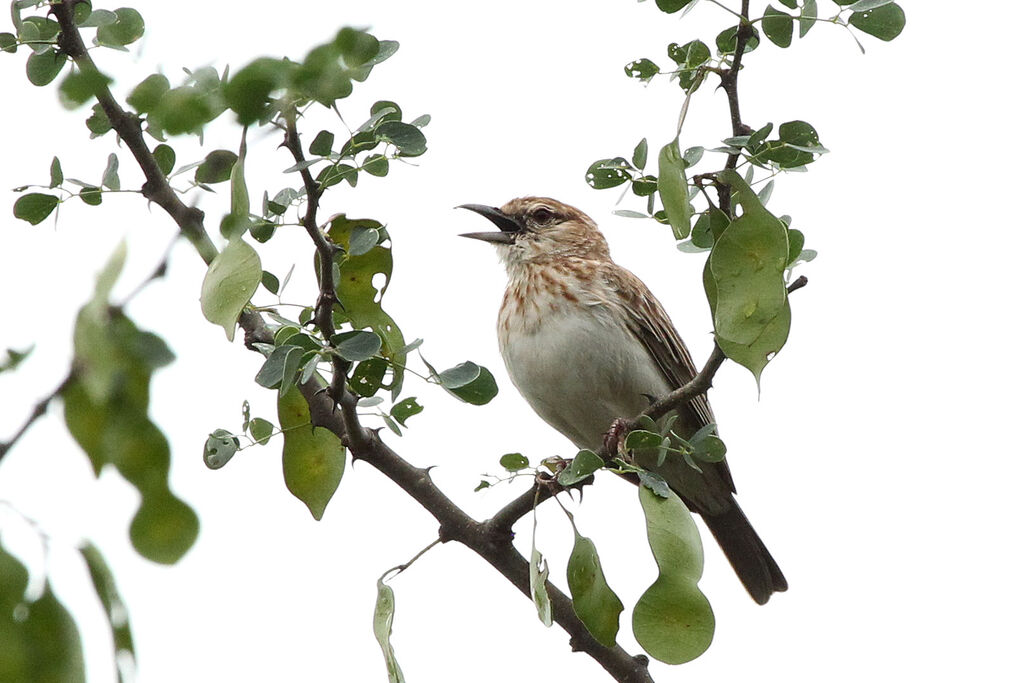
(587, 344)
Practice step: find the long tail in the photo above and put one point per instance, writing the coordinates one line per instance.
(746, 553)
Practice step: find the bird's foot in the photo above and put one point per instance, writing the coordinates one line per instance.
(615, 437)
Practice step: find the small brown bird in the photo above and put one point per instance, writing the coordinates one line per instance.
(586, 343)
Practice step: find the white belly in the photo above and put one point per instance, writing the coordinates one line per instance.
(580, 370)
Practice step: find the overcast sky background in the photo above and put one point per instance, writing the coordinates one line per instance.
(881, 464)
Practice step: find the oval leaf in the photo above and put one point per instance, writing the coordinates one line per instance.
(35, 207)
(230, 282)
(595, 603)
(313, 458)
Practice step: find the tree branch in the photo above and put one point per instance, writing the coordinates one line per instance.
(156, 188)
(496, 549)
(744, 32)
(38, 411)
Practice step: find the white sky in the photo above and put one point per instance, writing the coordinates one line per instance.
(881, 463)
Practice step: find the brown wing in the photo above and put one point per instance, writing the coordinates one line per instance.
(652, 326)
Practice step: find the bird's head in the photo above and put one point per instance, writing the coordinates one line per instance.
(538, 229)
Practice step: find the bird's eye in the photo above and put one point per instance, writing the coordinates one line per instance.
(542, 215)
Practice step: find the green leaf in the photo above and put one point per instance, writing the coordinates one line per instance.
(35, 207)
(642, 69)
(93, 196)
(238, 222)
(362, 240)
(165, 158)
(220, 447)
(672, 620)
(409, 140)
(655, 483)
(797, 144)
(270, 282)
(230, 282)
(113, 605)
(796, 245)
(43, 644)
(864, 5)
(322, 143)
(164, 527)
(97, 17)
(356, 47)
(791, 4)
(313, 457)
(278, 371)
(385, 110)
(385, 49)
(13, 583)
(182, 110)
(128, 27)
(376, 165)
(640, 154)
(43, 67)
(582, 466)
(639, 438)
(778, 26)
(808, 16)
(744, 282)
(216, 167)
(674, 190)
(248, 92)
(79, 86)
(98, 124)
(14, 359)
(470, 382)
(606, 173)
(513, 462)
(261, 430)
(885, 22)
(145, 97)
(671, 6)
(361, 299)
(594, 602)
(367, 377)
(726, 41)
(538, 577)
(748, 263)
(110, 177)
(690, 55)
(383, 616)
(8, 42)
(405, 409)
(357, 345)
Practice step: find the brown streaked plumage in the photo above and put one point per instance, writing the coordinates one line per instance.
(586, 342)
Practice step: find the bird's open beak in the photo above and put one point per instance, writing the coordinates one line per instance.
(508, 226)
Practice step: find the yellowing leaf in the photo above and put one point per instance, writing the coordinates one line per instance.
(313, 457)
(383, 616)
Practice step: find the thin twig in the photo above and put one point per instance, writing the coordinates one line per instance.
(38, 410)
(744, 32)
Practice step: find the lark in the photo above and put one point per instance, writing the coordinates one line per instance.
(587, 344)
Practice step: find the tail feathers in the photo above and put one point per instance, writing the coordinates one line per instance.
(746, 553)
